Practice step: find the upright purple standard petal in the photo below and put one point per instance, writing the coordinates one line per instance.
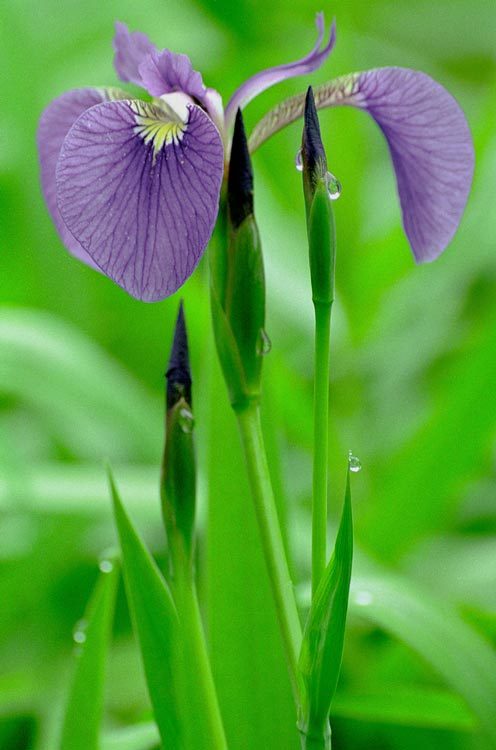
(164, 72)
(267, 78)
(131, 48)
(140, 192)
(428, 138)
(55, 123)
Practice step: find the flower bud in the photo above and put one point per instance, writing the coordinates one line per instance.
(238, 283)
(178, 483)
(320, 217)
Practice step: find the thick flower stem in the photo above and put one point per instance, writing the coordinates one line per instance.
(270, 533)
(321, 439)
(197, 660)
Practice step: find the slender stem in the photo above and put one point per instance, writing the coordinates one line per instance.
(270, 533)
(194, 638)
(321, 439)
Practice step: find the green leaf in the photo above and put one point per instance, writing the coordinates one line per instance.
(244, 637)
(436, 632)
(84, 711)
(323, 638)
(156, 625)
(139, 737)
(406, 706)
(69, 380)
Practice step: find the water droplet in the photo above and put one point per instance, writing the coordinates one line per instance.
(363, 598)
(354, 463)
(333, 186)
(79, 632)
(106, 566)
(186, 420)
(264, 344)
(299, 161)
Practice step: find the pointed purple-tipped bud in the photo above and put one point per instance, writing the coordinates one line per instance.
(178, 481)
(320, 218)
(312, 149)
(240, 180)
(178, 372)
(238, 283)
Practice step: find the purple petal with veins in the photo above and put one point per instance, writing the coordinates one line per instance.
(140, 192)
(55, 123)
(164, 72)
(428, 138)
(267, 78)
(131, 48)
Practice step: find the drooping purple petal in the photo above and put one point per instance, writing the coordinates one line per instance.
(140, 192)
(164, 72)
(267, 78)
(55, 123)
(428, 138)
(131, 48)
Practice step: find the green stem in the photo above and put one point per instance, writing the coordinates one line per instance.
(320, 455)
(194, 639)
(270, 533)
(316, 742)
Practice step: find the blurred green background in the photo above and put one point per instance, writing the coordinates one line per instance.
(413, 384)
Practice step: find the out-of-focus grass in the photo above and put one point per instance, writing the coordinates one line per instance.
(413, 359)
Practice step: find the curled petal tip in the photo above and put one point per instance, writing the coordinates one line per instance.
(267, 78)
(178, 370)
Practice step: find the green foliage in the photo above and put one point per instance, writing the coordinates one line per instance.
(247, 656)
(81, 726)
(156, 623)
(178, 485)
(461, 656)
(323, 638)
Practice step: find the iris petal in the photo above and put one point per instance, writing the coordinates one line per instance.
(55, 123)
(140, 189)
(267, 78)
(164, 72)
(131, 48)
(429, 141)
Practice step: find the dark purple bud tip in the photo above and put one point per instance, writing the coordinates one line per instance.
(312, 149)
(240, 180)
(178, 372)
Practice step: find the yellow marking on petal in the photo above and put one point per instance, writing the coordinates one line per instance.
(153, 128)
(114, 94)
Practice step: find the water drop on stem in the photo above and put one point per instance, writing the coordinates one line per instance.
(333, 186)
(299, 161)
(264, 344)
(79, 632)
(354, 463)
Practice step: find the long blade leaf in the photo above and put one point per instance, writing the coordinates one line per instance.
(84, 711)
(156, 625)
(323, 639)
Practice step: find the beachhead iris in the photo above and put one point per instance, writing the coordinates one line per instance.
(133, 186)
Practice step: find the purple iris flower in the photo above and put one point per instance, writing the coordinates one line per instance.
(133, 186)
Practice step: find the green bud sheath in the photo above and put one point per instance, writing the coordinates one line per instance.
(178, 485)
(238, 283)
(320, 217)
